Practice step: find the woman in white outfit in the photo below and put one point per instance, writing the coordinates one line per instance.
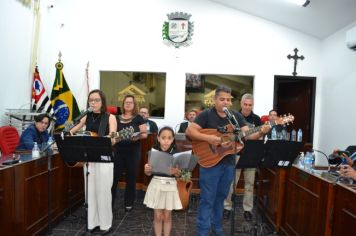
(100, 177)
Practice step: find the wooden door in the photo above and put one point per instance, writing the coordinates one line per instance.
(296, 95)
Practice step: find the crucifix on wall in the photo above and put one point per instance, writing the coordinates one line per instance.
(295, 57)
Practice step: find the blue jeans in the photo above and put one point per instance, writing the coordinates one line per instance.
(214, 187)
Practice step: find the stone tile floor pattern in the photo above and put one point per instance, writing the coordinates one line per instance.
(139, 220)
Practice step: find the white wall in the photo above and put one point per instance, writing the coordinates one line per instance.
(337, 120)
(16, 26)
(118, 35)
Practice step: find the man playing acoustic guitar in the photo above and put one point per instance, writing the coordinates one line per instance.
(216, 158)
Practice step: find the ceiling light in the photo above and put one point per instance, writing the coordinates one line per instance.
(303, 3)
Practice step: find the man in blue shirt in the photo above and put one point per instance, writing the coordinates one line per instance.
(36, 132)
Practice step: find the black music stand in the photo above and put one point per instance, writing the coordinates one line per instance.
(270, 154)
(84, 149)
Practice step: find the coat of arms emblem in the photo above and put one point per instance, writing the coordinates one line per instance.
(178, 30)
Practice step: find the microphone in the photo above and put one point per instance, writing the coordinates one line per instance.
(324, 155)
(231, 117)
(78, 118)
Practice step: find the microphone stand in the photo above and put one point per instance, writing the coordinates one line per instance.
(324, 155)
(236, 130)
(49, 175)
(330, 175)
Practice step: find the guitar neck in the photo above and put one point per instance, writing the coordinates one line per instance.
(254, 130)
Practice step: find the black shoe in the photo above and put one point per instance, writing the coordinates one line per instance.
(94, 229)
(105, 232)
(128, 208)
(247, 215)
(227, 214)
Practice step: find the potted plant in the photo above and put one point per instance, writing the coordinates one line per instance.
(184, 185)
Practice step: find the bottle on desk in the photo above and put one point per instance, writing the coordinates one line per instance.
(35, 150)
(148, 126)
(293, 135)
(300, 135)
(284, 134)
(301, 160)
(308, 161)
(50, 142)
(274, 133)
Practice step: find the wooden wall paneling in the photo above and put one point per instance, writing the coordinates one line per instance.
(306, 203)
(271, 187)
(344, 211)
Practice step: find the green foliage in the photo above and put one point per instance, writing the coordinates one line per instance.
(185, 175)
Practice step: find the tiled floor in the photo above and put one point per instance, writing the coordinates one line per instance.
(139, 220)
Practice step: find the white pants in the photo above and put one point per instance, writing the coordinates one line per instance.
(249, 178)
(99, 194)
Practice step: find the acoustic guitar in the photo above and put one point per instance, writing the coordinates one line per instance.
(209, 155)
(124, 134)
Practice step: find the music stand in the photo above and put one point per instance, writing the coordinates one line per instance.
(84, 149)
(270, 154)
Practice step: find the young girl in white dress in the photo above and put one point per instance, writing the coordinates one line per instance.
(162, 193)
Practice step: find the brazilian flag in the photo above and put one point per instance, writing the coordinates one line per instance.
(64, 105)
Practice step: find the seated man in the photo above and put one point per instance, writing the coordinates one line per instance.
(190, 117)
(342, 157)
(272, 117)
(36, 132)
(150, 124)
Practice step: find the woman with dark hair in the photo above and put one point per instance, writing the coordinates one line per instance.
(128, 151)
(36, 132)
(101, 174)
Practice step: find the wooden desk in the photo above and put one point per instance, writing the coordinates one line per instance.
(308, 204)
(301, 203)
(24, 194)
(271, 194)
(344, 214)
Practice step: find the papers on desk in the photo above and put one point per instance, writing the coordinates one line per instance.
(161, 162)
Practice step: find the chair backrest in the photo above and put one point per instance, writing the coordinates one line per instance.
(264, 118)
(9, 139)
(112, 110)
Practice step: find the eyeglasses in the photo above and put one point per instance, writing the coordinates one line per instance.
(128, 103)
(95, 100)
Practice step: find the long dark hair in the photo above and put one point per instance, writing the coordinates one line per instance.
(102, 97)
(157, 145)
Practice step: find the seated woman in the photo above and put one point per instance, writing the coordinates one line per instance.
(36, 132)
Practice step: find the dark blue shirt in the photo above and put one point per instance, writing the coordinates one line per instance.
(31, 135)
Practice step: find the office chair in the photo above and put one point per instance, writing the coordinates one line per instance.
(9, 139)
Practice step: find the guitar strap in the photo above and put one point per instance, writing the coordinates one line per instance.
(103, 124)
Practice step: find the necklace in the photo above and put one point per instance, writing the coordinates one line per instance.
(95, 117)
(125, 119)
